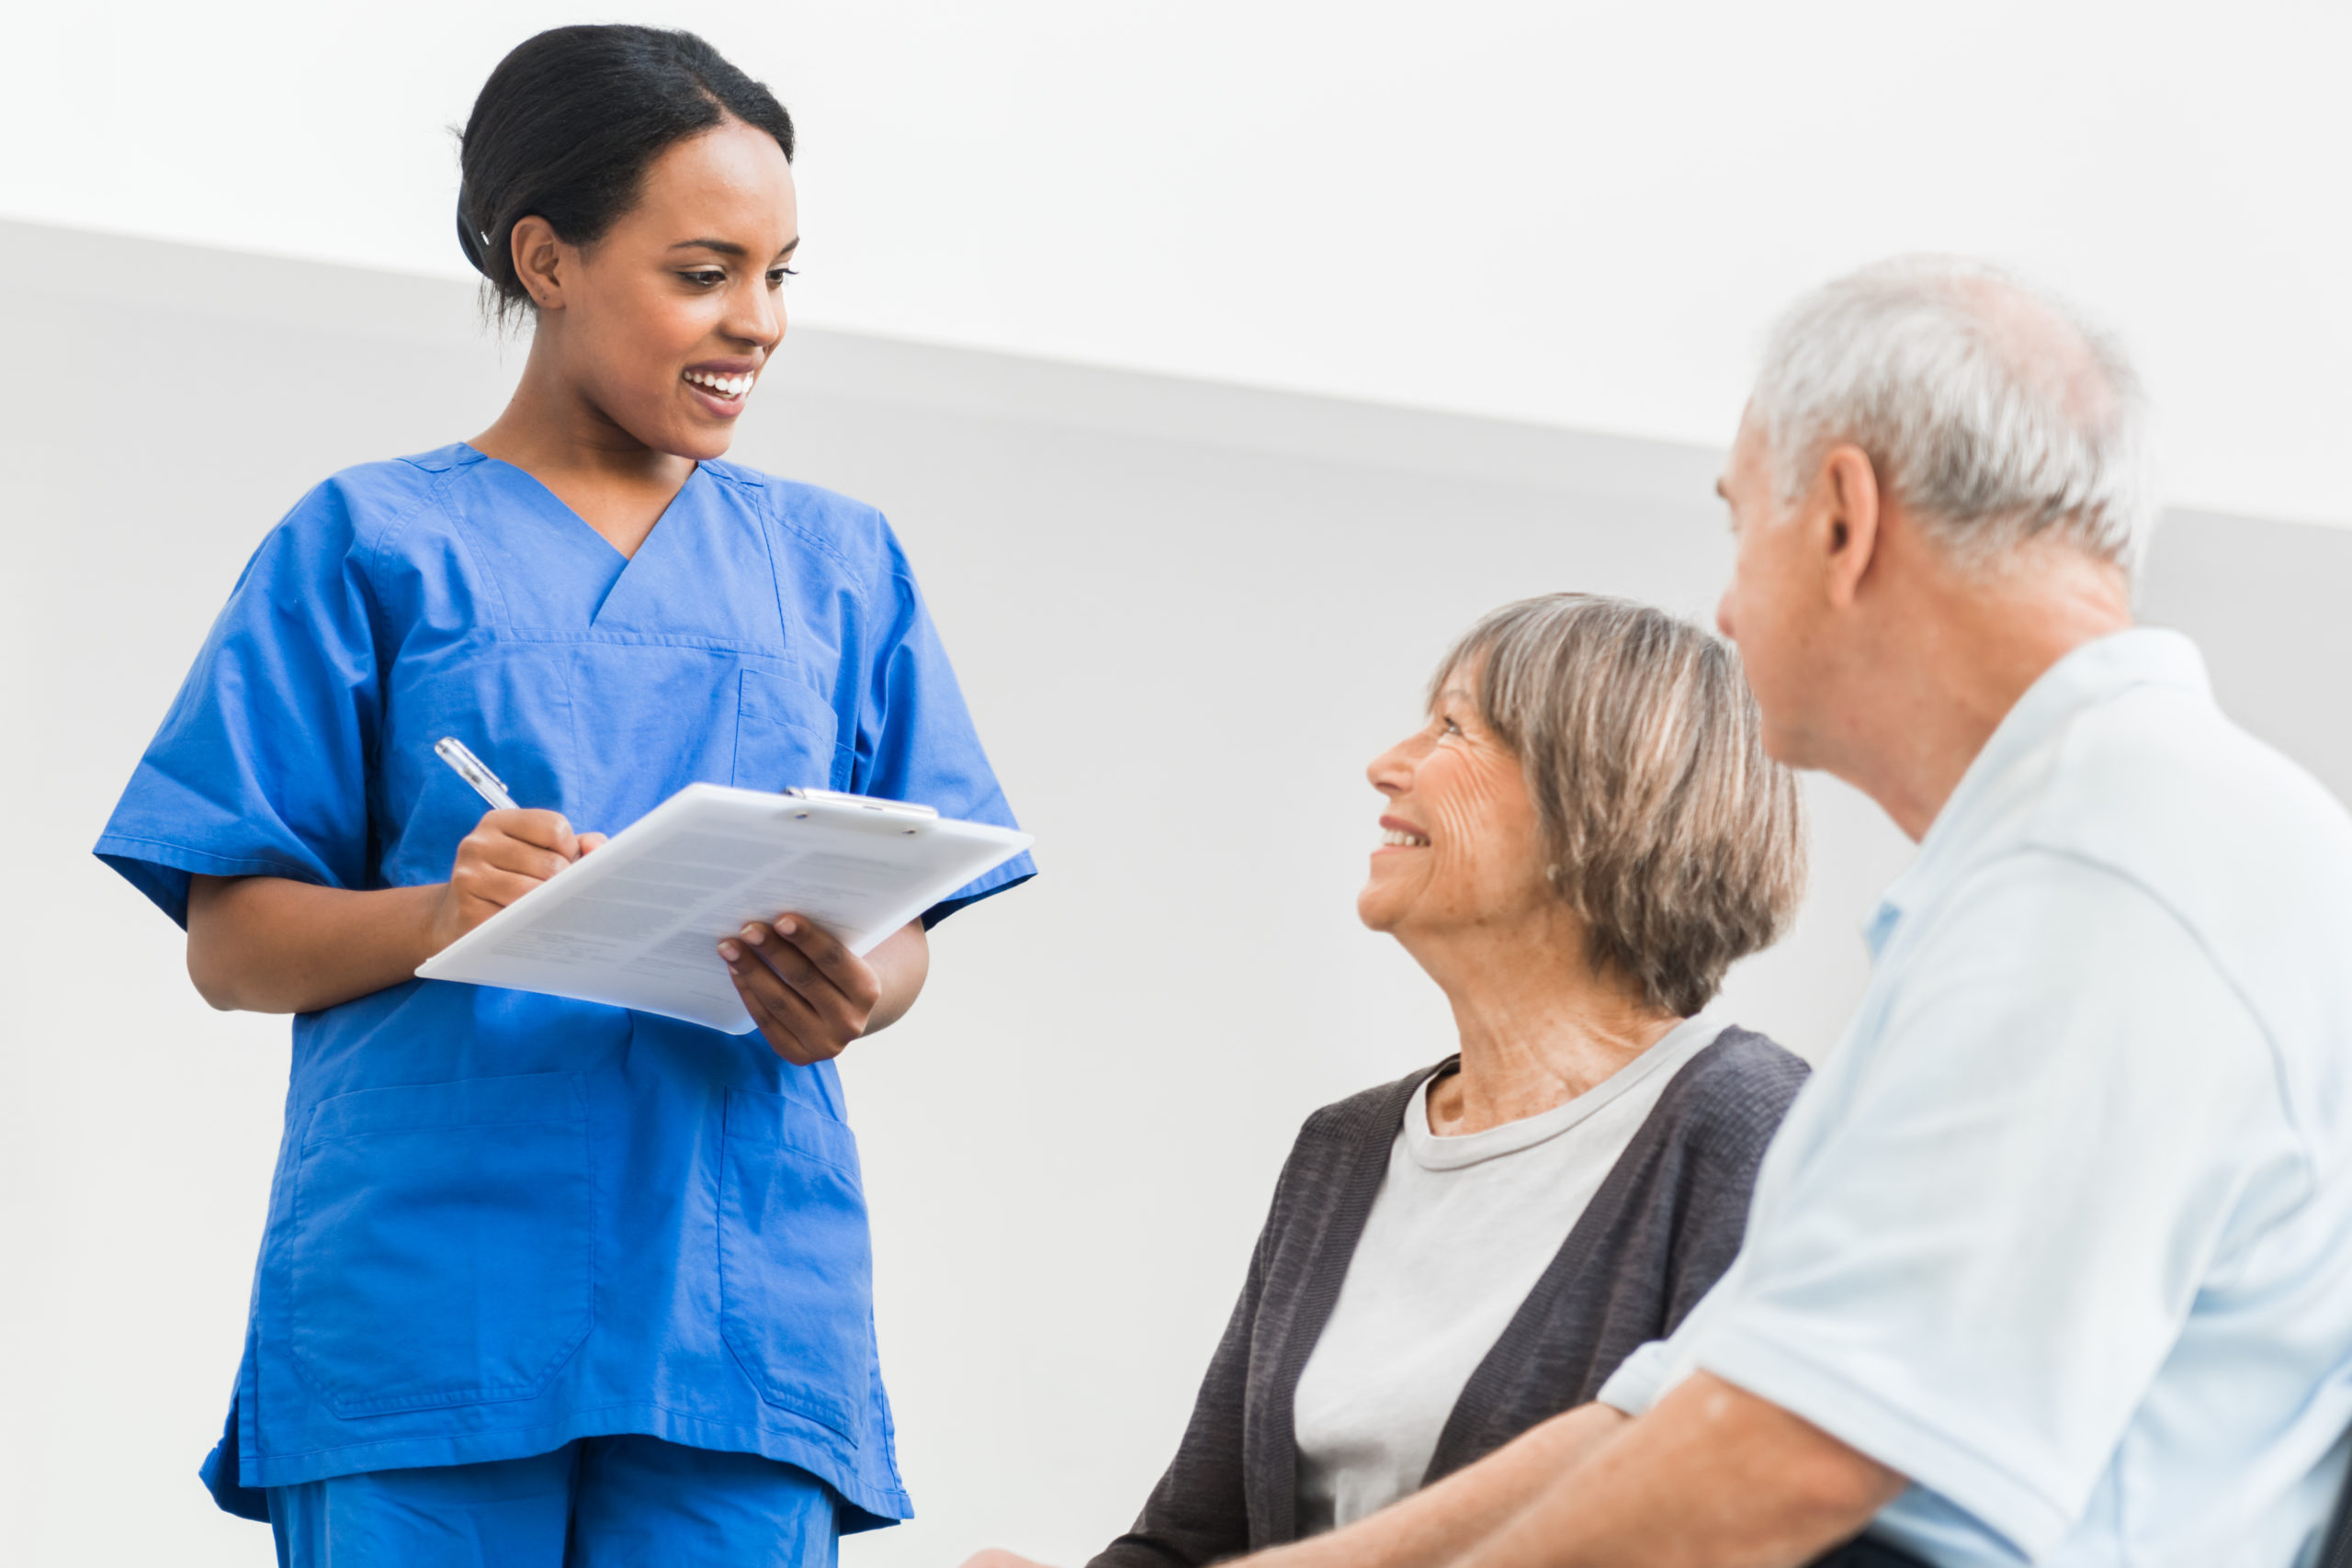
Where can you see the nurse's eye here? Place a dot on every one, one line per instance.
(776, 275)
(704, 277)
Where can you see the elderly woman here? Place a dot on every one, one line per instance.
(1580, 841)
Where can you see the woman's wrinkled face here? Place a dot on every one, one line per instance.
(1461, 844)
(670, 318)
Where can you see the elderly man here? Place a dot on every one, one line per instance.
(2052, 1262)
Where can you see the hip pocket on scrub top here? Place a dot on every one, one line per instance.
(444, 1243)
(784, 736)
(795, 1262)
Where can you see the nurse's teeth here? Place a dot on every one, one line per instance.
(725, 386)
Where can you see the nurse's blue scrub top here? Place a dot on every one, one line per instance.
(503, 1221)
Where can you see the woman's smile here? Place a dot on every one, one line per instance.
(722, 387)
(1396, 833)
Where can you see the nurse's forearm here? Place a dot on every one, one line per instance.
(270, 944)
(902, 961)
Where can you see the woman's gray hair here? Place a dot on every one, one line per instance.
(1993, 410)
(1676, 839)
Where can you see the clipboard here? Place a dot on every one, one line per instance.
(636, 923)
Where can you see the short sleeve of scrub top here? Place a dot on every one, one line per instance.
(261, 766)
(502, 1221)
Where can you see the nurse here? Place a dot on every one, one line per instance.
(545, 1281)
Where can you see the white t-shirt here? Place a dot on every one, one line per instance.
(1458, 1234)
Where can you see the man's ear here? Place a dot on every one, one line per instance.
(538, 261)
(1848, 488)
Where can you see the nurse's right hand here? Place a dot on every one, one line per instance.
(506, 856)
(273, 945)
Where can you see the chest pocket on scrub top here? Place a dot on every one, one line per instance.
(444, 1243)
(784, 736)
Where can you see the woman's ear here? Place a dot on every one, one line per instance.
(540, 261)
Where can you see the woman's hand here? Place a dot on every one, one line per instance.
(506, 856)
(810, 996)
(997, 1557)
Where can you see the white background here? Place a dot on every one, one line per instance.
(1180, 648)
(1576, 214)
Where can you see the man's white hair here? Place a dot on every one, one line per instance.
(1992, 411)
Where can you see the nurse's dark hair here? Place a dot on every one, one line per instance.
(568, 124)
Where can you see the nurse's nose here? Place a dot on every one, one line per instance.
(758, 317)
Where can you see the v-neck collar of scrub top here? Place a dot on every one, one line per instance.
(704, 575)
(583, 569)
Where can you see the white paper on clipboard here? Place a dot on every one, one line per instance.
(637, 922)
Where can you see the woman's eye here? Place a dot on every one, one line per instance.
(707, 278)
(776, 275)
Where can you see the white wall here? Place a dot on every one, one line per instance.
(1577, 214)
(1185, 614)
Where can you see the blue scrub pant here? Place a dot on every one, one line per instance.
(625, 1502)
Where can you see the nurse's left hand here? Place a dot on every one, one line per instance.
(810, 996)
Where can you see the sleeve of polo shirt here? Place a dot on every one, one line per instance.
(1975, 1278)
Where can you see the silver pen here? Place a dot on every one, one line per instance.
(469, 767)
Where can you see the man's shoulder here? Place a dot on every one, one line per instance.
(2166, 851)
(2157, 785)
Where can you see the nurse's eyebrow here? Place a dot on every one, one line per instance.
(729, 248)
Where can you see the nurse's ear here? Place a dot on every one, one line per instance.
(539, 260)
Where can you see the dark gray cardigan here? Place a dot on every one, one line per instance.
(1663, 1226)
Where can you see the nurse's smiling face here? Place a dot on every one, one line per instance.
(658, 331)
(1461, 844)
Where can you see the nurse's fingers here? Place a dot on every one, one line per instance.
(849, 973)
(793, 1028)
(491, 885)
(542, 829)
(846, 1003)
(844, 1009)
(533, 844)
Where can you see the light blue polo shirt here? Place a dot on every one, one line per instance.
(2062, 1231)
